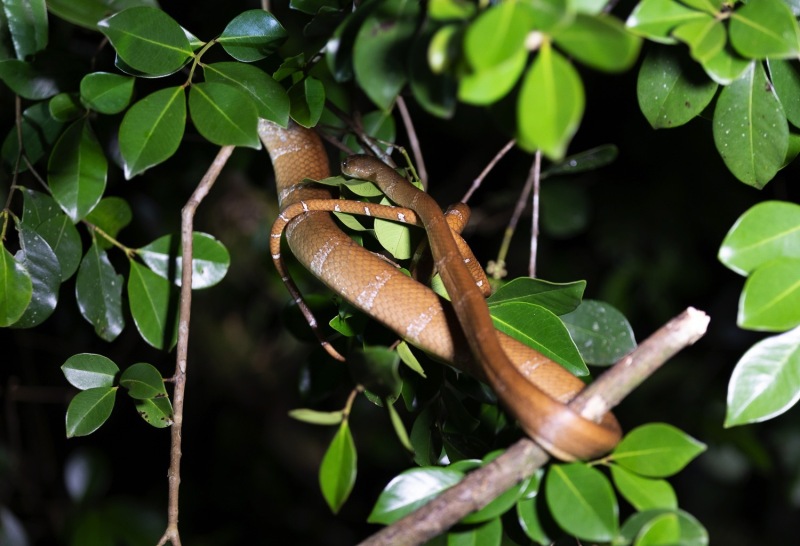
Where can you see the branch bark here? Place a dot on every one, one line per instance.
(523, 458)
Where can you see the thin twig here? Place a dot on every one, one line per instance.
(171, 534)
(413, 142)
(523, 458)
(535, 177)
(479, 180)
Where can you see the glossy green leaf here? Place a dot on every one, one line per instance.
(376, 368)
(98, 290)
(106, 93)
(156, 412)
(89, 409)
(87, 13)
(224, 114)
(252, 35)
(76, 171)
(153, 304)
(491, 84)
(337, 472)
(582, 501)
(705, 37)
(447, 10)
(559, 298)
(500, 505)
(39, 132)
(27, 81)
(42, 213)
(497, 35)
(529, 521)
(399, 427)
(643, 493)
(306, 101)
(785, 77)
(709, 6)
(764, 382)
(27, 24)
(726, 66)
(550, 105)
(65, 107)
(339, 49)
(767, 231)
(655, 19)
(88, 371)
(394, 237)
(143, 381)
(269, 96)
(384, 32)
(315, 417)
(152, 130)
(411, 489)
(42, 266)
(433, 87)
(766, 28)
(750, 129)
(408, 358)
(603, 334)
(16, 288)
(210, 259)
(485, 534)
(110, 215)
(580, 162)
(540, 329)
(599, 41)
(423, 438)
(670, 90)
(770, 299)
(656, 450)
(147, 40)
(638, 527)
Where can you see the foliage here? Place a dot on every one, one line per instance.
(525, 62)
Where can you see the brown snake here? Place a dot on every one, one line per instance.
(532, 387)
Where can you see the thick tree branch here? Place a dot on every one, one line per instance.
(523, 458)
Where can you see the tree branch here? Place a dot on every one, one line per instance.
(523, 458)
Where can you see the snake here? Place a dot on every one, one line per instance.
(533, 388)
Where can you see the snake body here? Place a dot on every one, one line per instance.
(532, 387)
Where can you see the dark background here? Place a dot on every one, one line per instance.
(654, 220)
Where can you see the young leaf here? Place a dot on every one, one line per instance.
(643, 493)
(498, 34)
(153, 305)
(268, 95)
(655, 19)
(315, 417)
(764, 382)
(65, 107)
(770, 299)
(16, 288)
(750, 129)
(89, 409)
(656, 450)
(155, 411)
(27, 24)
(152, 129)
(705, 37)
(689, 531)
(489, 85)
(224, 114)
(210, 259)
(76, 172)
(602, 334)
(599, 41)
(106, 93)
(252, 35)
(42, 265)
(410, 490)
(148, 40)
(337, 473)
(559, 298)
(767, 28)
(88, 371)
(726, 66)
(143, 381)
(98, 290)
(582, 501)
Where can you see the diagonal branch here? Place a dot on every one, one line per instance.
(523, 458)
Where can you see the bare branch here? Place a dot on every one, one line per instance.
(479, 180)
(413, 141)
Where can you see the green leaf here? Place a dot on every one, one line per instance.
(106, 93)
(671, 91)
(529, 521)
(65, 107)
(447, 10)
(269, 96)
(770, 299)
(559, 298)
(422, 437)
(580, 162)
(384, 32)
(76, 171)
(88, 371)
(87, 13)
(540, 329)
(111, 215)
(643, 493)
(42, 266)
(252, 35)
(408, 358)
(306, 101)
(42, 214)
(433, 87)
(705, 37)
(147, 40)
(27, 81)
(764, 382)
(224, 114)
(27, 24)
(750, 128)
(143, 381)
(337, 472)
(155, 411)
(339, 49)
(491, 84)
(603, 334)
(655, 19)
(153, 304)
(399, 427)
(411, 489)
(394, 237)
(726, 66)
(767, 231)
(210, 259)
(786, 80)
(98, 290)
(582, 501)
(550, 104)
(376, 368)
(689, 531)
(152, 130)
(315, 417)
(497, 35)
(39, 132)
(766, 28)
(16, 288)
(89, 409)
(656, 450)
(599, 41)
(500, 505)
(485, 534)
